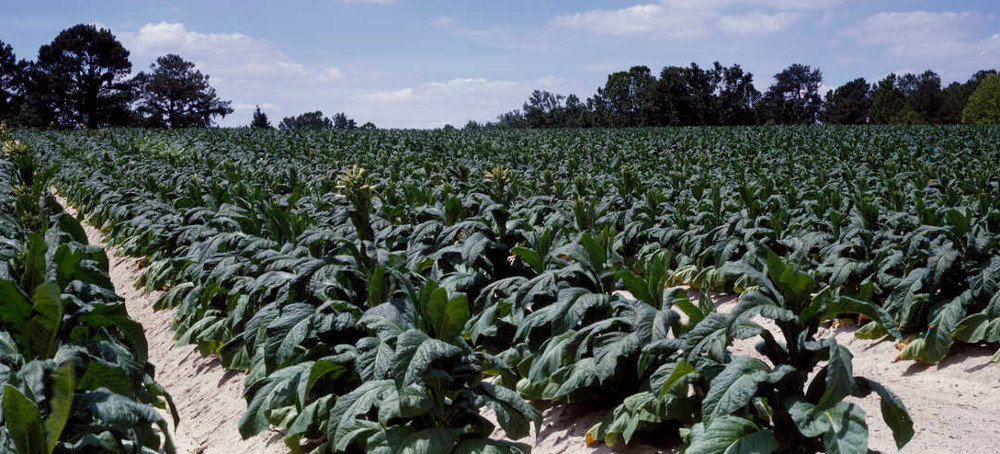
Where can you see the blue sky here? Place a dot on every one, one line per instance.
(410, 63)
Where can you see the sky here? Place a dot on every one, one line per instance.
(427, 63)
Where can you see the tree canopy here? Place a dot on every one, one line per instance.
(12, 81)
(260, 119)
(81, 78)
(794, 98)
(316, 120)
(308, 120)
(176, 95)
(341, 121)
(849, 104)
(720, 95)
(984, 104)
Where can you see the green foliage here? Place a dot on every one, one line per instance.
(80, 78)
(794, 97)
(260, 119)
(984, 104)
(316, 120)
(73, 365)
(752, 406)
(543, 264)
(176, 95)
(849, 104)
(13, 75)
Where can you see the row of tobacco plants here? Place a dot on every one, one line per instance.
(74, 376)
(383, 288)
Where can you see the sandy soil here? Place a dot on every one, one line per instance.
(208, 397)
(955, 405)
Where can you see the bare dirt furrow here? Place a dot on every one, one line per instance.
(209, 398)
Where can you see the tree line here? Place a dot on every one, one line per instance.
(720, 96)
(310, 120)
(82, 79)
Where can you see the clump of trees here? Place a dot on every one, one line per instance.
(849, 104)
(984, 103)
(316, 120)
(794, 98)
(81, 79)
(175, 95)
(719, 95)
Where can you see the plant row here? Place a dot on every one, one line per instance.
(74, 371)
(383, 288)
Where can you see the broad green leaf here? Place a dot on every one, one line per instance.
(415, 351)
(277, 389)
(710, 336)
(287, 332)
(841, 426)
(934, 346)
(893, 411)
(375, 358)
(115, 409)
(733, 388)
(683, 301)
(24, 424)
(430, 441)
(844, 305)
(448, 316)
(870, 331)
(978, 328)
(667, 376)
(481, 446)
(530, 257)
(513, 413)
(63, 384)
(731, 435)
(15, 308)
(43, 326)
(345, 424)
(313, 417)
(636, 285)
(839, 376)
(384, 440)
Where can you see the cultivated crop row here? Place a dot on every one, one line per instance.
(383, 288)
(74, 371)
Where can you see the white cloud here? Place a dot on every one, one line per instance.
(333, 73)
(756, 22)
(658, 19)
(223, 55)
(265, 106)
(444, 21)
(388, 96)
(924, 34)
(502, 38)
(244, 69)
(690, 19)
(456, 101)
(953, 44)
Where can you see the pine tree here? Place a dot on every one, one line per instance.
(260, 120)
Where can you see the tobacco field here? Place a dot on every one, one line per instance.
(383, 289)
